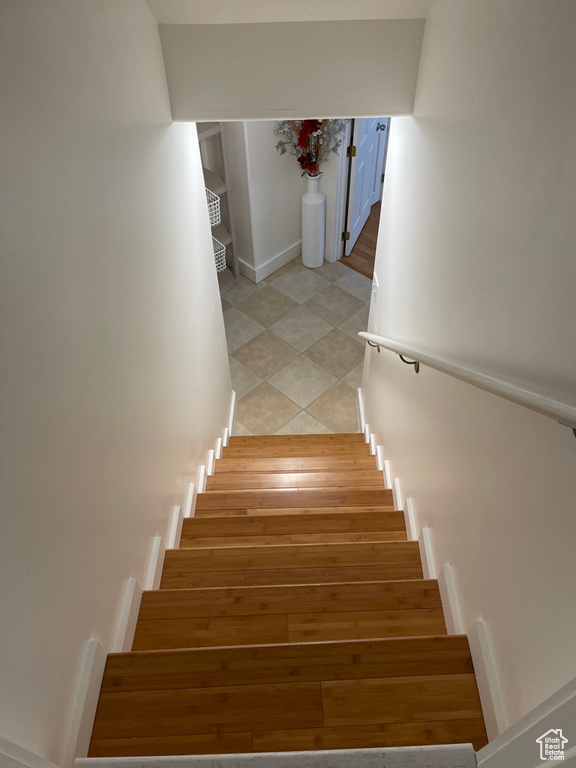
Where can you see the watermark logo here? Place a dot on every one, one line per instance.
(552, 745)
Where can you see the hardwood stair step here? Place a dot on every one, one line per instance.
(280, 498)
(294, 451)
(195, 528)
(393, 559)
(296, 464)
(292, 511)
(356, 478)
(194, 618)
(305, 662)
(338, 437)
(293, 538)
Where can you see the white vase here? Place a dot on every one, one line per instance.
(313, 224)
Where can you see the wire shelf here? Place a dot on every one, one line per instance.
(213, 207)
(219, 255)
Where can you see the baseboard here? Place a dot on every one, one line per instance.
(388, 474)
(200, 479)
(361, 411)
(450, 602)
(218, 448)
(189, 500)
(155, 564)
(85, 702)
(397, 494)
(126, 625)
(231, 415)
(210, 459)
(411, 519)
(257, 274)
(174, 528)
(516, 746)
(14, 756)
(225, 437)
(487, 679)
(427, 553)
(372, 444)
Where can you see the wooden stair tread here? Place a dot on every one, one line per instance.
(355, 478)
(292, 511)
(296, 464)
(293, 538)
(288, 614)
(306, 662)
(273, 498)
(286, 706)
(348, 522)
(399, 559)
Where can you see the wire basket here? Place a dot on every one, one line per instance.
(219, 255)
(213, 207)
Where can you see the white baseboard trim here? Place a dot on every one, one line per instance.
(361, 411)
(411, 519)
(380, 458)
(225, 437)
(372, 444)
(367, 433)
(210, 459)
(487, 679)
(200, 480)
(14, 756)
(218, 448)
(397, 494)
(155, 564)
(388, 474)
(126, 625)
(174, 528)
(427, 554)
(85, 702)
(516, 746)
(257, 274)
(450, 602)
(188, 500)
(231, 415)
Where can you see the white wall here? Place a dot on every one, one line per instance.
(476, 261)
(115, 376)
(292, 69)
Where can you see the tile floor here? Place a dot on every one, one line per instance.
(295, 357)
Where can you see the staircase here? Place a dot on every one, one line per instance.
(293, 617)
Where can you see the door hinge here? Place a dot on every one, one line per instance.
(346, 235)
(351, 151)
(382, 179)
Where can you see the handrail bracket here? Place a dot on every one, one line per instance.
(415, 363)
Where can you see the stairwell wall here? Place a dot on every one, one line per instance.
(476, 263)
(115, 375)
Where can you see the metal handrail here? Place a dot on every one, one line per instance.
(522, 393)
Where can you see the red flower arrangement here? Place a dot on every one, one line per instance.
(310, 141)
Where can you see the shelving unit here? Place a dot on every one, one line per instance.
(213, 150)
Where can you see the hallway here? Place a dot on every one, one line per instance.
(295, 357)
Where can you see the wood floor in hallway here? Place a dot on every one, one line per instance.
(364, 252)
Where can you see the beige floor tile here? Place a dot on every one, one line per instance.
(244, 289)
(240, 328)
(267, 306)
(225, 304)
(301, 328)
(358, 322)
(266, 354)
(337, 353)
(286, 268)
(302, 381)
(300, 284)
(332, 271)
(336, 409)
(265, 410)
(303, 424)
(354, 378)
(241, 431)
(334, 305)
(243, 379)
(356, 284)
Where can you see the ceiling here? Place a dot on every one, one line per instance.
(258, 11)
